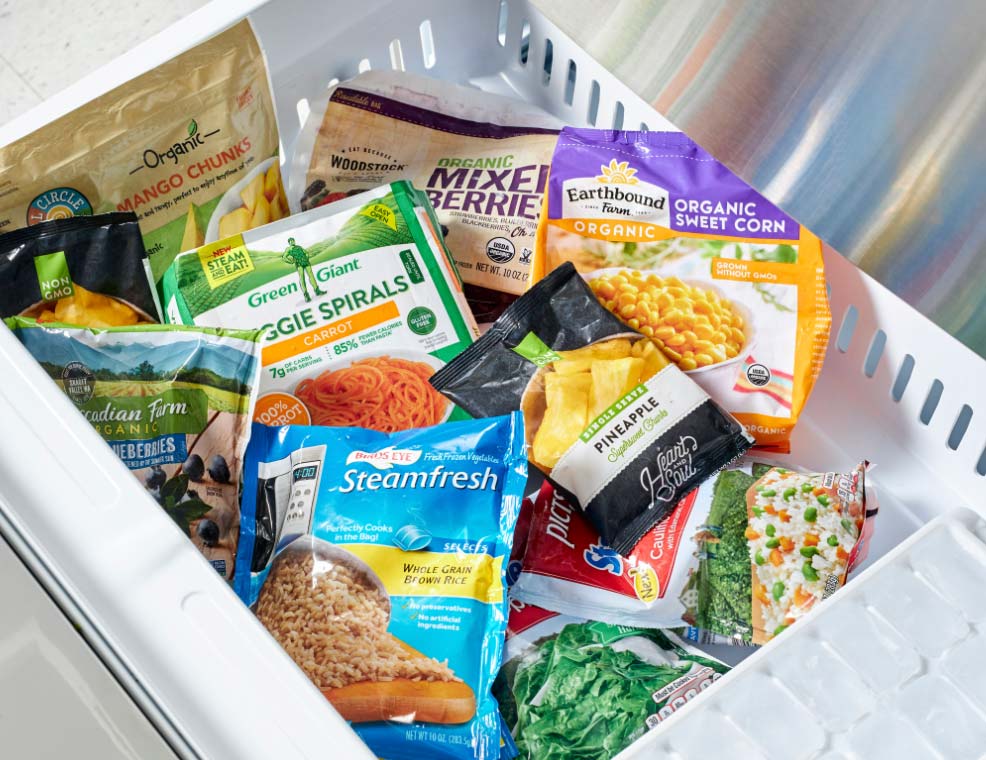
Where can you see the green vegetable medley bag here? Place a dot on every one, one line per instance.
(570, 689)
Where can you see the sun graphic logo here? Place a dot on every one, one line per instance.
(617, 173)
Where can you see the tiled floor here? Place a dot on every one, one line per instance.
(46, 45)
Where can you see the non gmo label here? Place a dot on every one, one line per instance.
(54, 280)
(78, 381)
(225, 261)
(536, 350)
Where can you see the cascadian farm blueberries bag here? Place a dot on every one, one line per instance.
(623, 433)
(679, 248)
(174, 403)
(377, 561)
(190, 147)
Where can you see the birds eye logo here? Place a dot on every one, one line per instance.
(617, 173)
(58, 203)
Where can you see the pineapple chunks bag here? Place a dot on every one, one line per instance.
(184, 146)
(618, 429)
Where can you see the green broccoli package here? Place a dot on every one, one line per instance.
(571, 689)
(174, 403)
(359, 302)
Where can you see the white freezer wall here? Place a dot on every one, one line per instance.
(57, 696)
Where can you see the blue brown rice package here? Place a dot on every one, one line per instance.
(378, 562)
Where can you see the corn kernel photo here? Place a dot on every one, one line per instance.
(694, 324)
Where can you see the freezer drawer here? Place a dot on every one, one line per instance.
(895, 389)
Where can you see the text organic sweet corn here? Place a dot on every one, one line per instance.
(190, 147)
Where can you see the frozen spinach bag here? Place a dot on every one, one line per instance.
(571, 689)
(622, 432)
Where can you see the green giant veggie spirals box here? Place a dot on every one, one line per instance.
(359, 302)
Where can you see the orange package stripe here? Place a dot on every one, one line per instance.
(328, 333)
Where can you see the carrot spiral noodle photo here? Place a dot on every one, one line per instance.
(380, 393)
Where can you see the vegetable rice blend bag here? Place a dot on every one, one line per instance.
(191, 147)
(174, 403)
(377, 561)
(621, 431)
(572, 689)
(359, 304)
(776, 542)
(678, 247)
(481, 158)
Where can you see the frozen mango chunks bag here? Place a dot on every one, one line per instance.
(184, 146)
(680, 248)
(624, 434)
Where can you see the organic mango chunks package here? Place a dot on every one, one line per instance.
(191, 147)
(481, 158)
(174, 404)
(678, 247)
(359, 304)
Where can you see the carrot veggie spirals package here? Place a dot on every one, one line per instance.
(619, 429)
(678, 247)
(360, 304)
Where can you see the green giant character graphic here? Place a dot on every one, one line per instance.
(298, 256)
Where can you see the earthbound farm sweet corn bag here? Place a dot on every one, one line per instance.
(681, 249)
(190, 147)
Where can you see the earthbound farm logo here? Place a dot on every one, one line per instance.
(58, 203)
(615, 193)
(386, 458)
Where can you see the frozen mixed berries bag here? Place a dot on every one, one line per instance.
(621, 431)
(678, 247)
(481, 158)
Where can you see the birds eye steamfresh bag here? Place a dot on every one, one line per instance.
(678, 247)
(378, 562)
